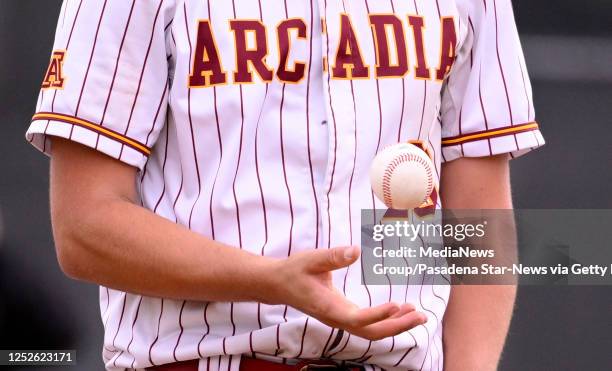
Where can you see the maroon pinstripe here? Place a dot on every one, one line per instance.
(435, 160)
(422, 306)
(416, 9)
(238, 162)
(144, 66)
(482, 107)
(335, 148)
(234, 191)
(501, 70)
(380, 129)
(161, 311)
(120, 318)
(527, 99)
(401, 123)
(41, 98)
(348, 338)
(177, 195)
(212, 192)
(471, 25)
(180, 168)
(434, 284)
(163, 168)
(407, 350)
(380, 125)
(178, 340)
(166, 27)
(473, 32)
(438, 320)
(207, 329)
(443, 157)
(73, 24)
(327, 343)
(427, 353)
(110, 90)
(303, 337)
(314, 192)
(419, 137)
(161, 101)
(93, 50)
(261, 195)
(525, 89)
(423, 110)
(132, 336)
(193, 145)
(351, 185)
(76, 17)
(38, 105)
(331, 181)
(282, 146)
(106, 309)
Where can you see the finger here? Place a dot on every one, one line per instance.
(367, 316)
(404, 309)
(347, 315)
(326, 260)
(392, 326)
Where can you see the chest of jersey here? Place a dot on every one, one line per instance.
(273, 99)
(250, 42)
(372, 67)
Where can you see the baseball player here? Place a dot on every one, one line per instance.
(210, 162)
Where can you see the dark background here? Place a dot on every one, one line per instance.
(568, 46)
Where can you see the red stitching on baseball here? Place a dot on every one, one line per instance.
(386, 184)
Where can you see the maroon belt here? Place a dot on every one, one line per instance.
(252, 364)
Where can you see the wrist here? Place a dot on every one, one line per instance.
(267, 276)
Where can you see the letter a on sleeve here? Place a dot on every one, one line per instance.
(106, 85)
(487, 106)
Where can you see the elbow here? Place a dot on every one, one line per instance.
(69, 257)
(71, 252)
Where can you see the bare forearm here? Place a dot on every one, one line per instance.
(127, 247)
(478, 317)
(475, 326)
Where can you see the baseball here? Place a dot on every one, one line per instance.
(402, 176)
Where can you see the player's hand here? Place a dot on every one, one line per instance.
(304, 281)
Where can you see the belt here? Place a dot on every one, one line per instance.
(252, 364)
(191, 365)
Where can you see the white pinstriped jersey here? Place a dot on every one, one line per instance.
(254, 123)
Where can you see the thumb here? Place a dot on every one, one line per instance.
(335, 258)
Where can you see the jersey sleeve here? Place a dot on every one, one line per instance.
(106, 86)
(487, 106)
